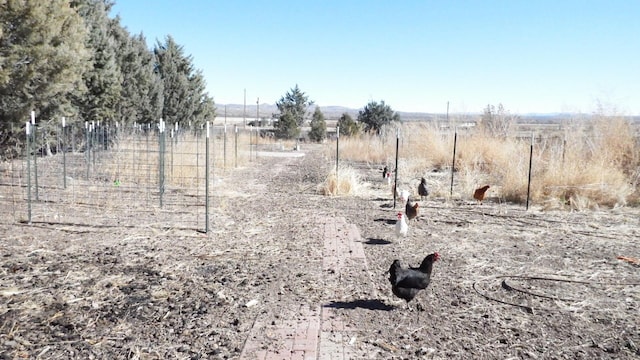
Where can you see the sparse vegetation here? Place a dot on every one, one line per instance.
(497, 122)
(591, 162)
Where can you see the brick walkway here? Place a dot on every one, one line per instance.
(316, 332)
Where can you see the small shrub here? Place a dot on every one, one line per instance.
(347, 183)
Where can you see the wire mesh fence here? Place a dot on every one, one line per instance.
(109, 175)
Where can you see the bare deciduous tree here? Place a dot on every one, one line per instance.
(497, 123)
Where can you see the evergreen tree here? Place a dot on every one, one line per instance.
(292, 107)
(318, 130)
(348, 127)
(204, 105)
(42, 59)
(184, 95)
(287, 128)
(375, 115)
(104, 78)
(141, 94)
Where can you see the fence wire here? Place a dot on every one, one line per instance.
(127, 177)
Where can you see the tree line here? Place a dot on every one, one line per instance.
(69, 58)
(294, 105)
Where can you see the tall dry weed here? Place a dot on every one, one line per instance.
(347, 182)
(589, 162)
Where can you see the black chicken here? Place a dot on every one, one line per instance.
(406, 283)
(384, 172)
(423, 191)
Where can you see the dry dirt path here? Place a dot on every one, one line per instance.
(308, 327)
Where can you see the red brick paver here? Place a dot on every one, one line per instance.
(290, 339)
(317, 333)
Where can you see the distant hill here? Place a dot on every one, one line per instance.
(330, 112)
(334, 113)
(267, 110)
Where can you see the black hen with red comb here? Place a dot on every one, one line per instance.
(407, 282)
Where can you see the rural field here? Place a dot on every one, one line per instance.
(288, 273)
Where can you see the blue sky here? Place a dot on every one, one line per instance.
(531, 56)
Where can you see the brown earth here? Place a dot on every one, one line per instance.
(510, 283)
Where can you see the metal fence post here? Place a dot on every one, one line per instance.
(224, 149)
(206, 185)
(453, 162)
(64, 154)
(87, 147)
(34, 139)
(250, 144)
(236, 144)
(395, 183)
(161, 151)
(28, 140)
(337, 158)
(148, 165)
(530, 163)
(94, 140)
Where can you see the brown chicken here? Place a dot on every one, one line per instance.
(479, 193)
(411, 210)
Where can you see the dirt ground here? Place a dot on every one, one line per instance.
(510, 283)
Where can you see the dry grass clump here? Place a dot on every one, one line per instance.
(596, 161)
(595, 165)
(348, 182)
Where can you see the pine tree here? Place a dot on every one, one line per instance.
(287, 128)
(141, 94)
(185, 98)
(318, 130)
(292, 107)
(104, 78)
(348, 127)
(375, 115)
(42, 59)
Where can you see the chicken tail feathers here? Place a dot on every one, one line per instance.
(393, 271)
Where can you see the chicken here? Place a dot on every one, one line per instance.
(401, 195)
(411, 210)
(423, 191)
(407, 282)
(402, 228)
(479, 193)
(404, 195)
(385, 171)
(388, 177)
